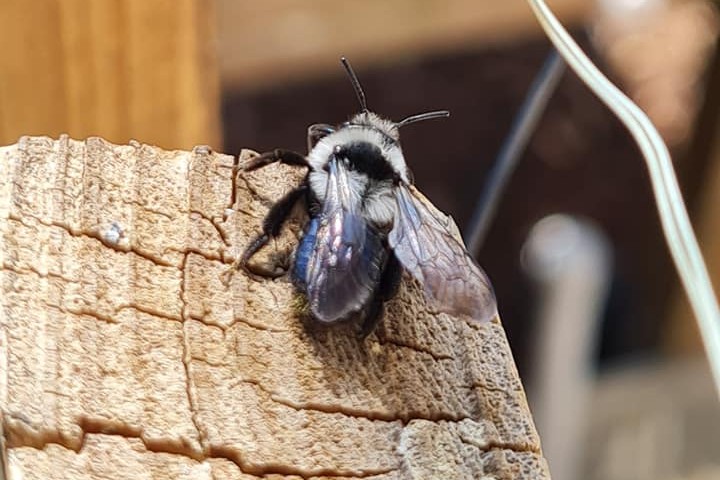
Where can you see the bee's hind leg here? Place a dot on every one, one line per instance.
(387, 289)
(372, 317)
(272, 225)
(390, 281)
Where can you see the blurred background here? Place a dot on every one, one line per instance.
(604, 339)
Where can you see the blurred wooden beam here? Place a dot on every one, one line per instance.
(118, 68)
(654, 421)
(263, 43)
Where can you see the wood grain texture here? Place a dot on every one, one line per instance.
(128, 347)
(122, 69)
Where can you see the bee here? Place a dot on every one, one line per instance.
(367, 223)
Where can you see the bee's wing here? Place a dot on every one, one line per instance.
(423, 241)
(345, 264)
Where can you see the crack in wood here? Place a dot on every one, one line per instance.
(88, 312)
(493, 388)
(186, 360)
(94, 236)
(495, 445)
(39, 439)
(438, 357)
(233, 179)
(256, 326)
(148, 311)
(148, 209)
(217, 225)
(83, 310)
(208, 362)
(30, 270)
(236, 321)
(260, 470)
(22, 434)
(365, 414)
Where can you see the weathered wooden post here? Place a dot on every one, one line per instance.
(129, 348)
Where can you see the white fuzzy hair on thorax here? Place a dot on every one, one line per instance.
(375, 196)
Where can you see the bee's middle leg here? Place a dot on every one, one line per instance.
(272, 225)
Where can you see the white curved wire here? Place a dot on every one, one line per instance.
(673, 215)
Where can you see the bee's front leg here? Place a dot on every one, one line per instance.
(286, 157)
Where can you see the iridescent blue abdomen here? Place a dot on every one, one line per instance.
(303, 253)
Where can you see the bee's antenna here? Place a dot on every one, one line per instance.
(422, 116)
(355, 83)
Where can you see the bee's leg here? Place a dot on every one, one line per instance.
(373, 316)
(390, 281)
(278, 155)
(272, 224)
(387, 289)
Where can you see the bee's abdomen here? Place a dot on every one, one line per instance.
(303, 253)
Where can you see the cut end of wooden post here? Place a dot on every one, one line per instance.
(128, 346)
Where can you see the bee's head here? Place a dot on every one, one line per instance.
(368, 119)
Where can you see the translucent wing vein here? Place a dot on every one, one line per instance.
(423, 243)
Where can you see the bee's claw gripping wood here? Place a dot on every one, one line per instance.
(129, 348)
